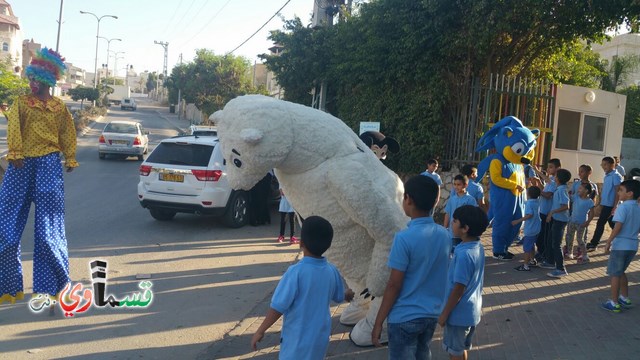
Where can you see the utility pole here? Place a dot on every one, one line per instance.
(59, 26)
(323, 11)
(165, 45)
(180, 95)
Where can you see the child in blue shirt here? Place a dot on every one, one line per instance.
(474, 189)
(303, 296)
(532, 225)
(432, 166)
(584, 177)
(581, 216)
(623, 244)
(559, 213)
(464, 282)
(543, 243)
(457, 199)
(418, 260)
(608, 200)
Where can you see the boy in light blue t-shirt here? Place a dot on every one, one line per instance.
(418, 260)
(432, 166)
(543, 243)
(464, 282)
(623, 245)
(473, 188)
(303, 296)
(457, 199)
(532, 225)
(559, 213)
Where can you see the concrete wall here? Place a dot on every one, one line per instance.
(605, 104)
(630, 154)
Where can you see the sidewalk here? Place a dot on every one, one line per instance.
(525, 316)
(181, 125)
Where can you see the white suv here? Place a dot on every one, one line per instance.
(187, 174)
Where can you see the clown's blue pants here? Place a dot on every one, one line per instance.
(39, 181)
(505, 207)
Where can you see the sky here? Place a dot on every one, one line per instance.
(187, 25)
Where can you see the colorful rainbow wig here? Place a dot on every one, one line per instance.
(47, 66)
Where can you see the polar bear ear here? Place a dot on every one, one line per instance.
(216, 117)
(251, 136)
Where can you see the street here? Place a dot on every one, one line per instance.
(205, 276)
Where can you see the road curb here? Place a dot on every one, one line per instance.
(171, 122)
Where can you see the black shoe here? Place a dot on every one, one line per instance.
(522, 268)
(591, 247)
(503, 256)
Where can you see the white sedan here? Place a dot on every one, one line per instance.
(126, 138)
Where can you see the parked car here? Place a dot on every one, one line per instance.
(186, 174)
(203, 130)
(128, 103)
(126, 138)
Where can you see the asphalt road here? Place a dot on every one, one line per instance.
(205, 276)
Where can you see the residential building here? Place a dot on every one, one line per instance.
(29, 47)
(10, 35)
(620, 45)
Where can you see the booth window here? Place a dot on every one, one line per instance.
(578, 131)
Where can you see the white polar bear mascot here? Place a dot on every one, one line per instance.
(325, 170)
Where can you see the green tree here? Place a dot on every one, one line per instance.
(632, 114)
(618, 71)
(82, 93)
(152, 81)
(11, 86)
(113, 81)
(211, 80)
(406, 63)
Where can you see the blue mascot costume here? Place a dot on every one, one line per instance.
(514, 144)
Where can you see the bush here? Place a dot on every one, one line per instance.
(632, 115)
(82, 118)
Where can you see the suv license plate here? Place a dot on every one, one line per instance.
(172, 177)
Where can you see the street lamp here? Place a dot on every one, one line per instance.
(98, 18)
(108, 45)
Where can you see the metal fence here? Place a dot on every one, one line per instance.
(479, 104)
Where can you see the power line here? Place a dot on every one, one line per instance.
(207, 24)
(183, 15)
(173, 16)
(261, 27)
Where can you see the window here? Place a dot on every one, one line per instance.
(578, 131)
(5, 46)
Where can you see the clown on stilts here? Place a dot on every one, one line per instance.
(40, 129)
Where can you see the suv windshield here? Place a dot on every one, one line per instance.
(181, 154)
(121, 128)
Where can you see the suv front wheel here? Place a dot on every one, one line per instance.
(162, 215)
(237, 214)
